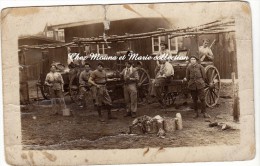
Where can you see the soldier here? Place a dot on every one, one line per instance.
(131, 77)
(99, 79)
(84, 85)
(55, 82)
(164, 73)
(205, 52)
(195, 75)
(164, 49)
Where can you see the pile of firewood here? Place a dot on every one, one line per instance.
(159, 125)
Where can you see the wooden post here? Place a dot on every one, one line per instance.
(235, 99)
(24, 88)
(233, 84)
(179, 121)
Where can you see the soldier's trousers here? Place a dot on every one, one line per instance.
(198, 94)
(102, 96)
(87, 92)
(158, 88)
(56, 96)
(130, 95)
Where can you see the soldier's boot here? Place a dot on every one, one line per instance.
(196, 114)
(134, 115)
(109, 115)
(203, 109)
(205, 115)
(162, 105)
(80, 103)
(94, 102)
(128, 114)
(100, 117)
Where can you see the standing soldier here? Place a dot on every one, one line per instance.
(55, 82)
(98, 78)
(84, 85)
(195, 75)
(131, 77)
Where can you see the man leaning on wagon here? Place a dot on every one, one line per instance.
(98, 78)
(55, 83)
(130, 76)
(195, 75)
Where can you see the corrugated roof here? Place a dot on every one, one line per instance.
(40, 37)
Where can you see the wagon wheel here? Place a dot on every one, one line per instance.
(43, 88)
(45, 91)
(74, 89)
(169, 99)
(143, 84)
(74, 93)
(212, 89)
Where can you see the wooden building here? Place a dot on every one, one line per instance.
(224, 47)
(30, 59)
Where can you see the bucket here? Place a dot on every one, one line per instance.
(66, 112)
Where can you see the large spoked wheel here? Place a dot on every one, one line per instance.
(212, 89)
(43, 88)
(74, 93)
(143, 84)
(45, 92)
(169, 99)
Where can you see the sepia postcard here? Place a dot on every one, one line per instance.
(128, 83)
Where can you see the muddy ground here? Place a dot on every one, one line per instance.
(42, 130)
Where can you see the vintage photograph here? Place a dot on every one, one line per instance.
(130, 76)
(75, 94)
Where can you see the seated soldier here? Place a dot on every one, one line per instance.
(165, 72)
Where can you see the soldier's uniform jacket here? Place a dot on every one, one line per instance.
(196, 76)
(99, 77)
(83, 78)
(130, 73)
(55, 79)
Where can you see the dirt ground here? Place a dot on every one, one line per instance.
(42, 130)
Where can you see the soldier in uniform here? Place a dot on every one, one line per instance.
(164, 74)
(131, 77)
(98, 78)
(85, 86)
(55, 83)
(195, 75)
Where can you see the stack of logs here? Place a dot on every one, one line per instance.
(156, 125)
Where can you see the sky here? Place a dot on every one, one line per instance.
(32, 20)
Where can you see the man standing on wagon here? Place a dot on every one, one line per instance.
(195, 75)
(98, 78)
(205, 52)
(131, 77)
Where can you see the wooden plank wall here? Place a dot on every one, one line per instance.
(224, 52)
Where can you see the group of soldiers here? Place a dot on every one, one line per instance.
(95, 82)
